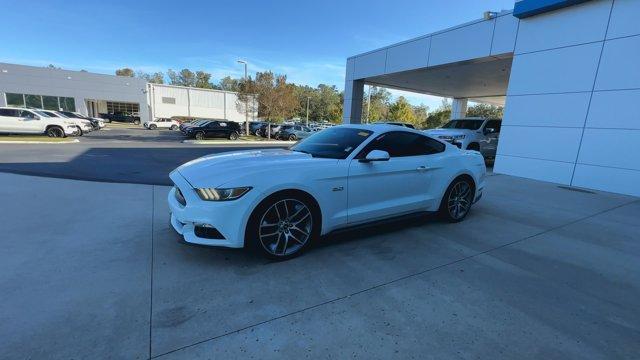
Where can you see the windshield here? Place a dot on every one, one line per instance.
(467, 124)
(70, 114)
(333, 143)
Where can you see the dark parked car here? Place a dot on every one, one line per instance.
(255, 126)
(121, 117)
(185, 125)
(214, 129)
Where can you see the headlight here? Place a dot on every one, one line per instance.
(211, 194)
(458, 137)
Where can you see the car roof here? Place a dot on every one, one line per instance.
(381, 127)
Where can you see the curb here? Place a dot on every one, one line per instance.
(233, 143)
(73, 141)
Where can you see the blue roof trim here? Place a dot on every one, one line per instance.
(526, 8)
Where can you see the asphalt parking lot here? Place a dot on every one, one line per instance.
(125, 154)
(93, 270)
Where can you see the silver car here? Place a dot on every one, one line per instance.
(471, 134)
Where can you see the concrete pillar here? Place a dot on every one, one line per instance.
(353, 94)
(459, 108)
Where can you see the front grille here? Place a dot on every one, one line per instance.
(445, 137)
(180, 197)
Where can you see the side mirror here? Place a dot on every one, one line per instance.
(376, 155)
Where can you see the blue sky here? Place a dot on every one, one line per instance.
(307, 40)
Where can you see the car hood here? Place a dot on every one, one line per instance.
(448, 132)
(217, 169)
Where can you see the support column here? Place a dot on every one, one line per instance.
(353, 94)
(459, 108)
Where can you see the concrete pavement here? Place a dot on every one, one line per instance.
(93, 270)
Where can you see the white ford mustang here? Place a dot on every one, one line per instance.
(280, 201)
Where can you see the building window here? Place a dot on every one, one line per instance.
(168, 100)
(67, 103)
(33, 101)
(15, 100)
(41, 102)
(50, 103)
(123, 108)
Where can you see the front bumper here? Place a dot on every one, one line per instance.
(227, 217)
(71, 130)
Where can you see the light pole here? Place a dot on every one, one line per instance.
(368, 104)
(308, 99)
(246, 100)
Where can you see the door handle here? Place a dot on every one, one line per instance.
(422, 168)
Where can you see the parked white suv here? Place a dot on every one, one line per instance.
(26, 121)
(162, 123)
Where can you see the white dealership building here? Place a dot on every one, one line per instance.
(567, 72)
(94, 94)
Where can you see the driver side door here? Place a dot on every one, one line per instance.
(381, 189)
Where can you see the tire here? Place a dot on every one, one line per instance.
(283, 226)
(257, 133)
(234, 135)
(174, 127)
(153, 127)
(473, 146)
(199, 135)
(457, 200)
(293, 137)
(136, 122)
(55, 132)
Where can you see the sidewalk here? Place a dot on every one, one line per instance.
(93, 270)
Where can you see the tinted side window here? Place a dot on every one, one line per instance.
(212, 124)
(494, 124)
(400, 144)
(27, 114)
(9, 112)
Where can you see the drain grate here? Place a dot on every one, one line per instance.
(570, 188)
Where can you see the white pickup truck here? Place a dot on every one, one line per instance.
(27, 121)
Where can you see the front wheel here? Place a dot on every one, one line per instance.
(292, 137)
(199, 136)
(233, 136)
(55, 132)
(174, 127)
(457, 200)
(283, 226)
(153, 127)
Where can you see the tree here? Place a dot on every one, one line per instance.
(275, 98)
(155, 78)
(228, 83)
(422, 113)
(378, 109)
(485, 111)
(185, 77)
(203, 80)
(402, 111)
(440, 116)
(125, 72)
(325, 103)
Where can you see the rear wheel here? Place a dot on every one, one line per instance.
(153, 127)
(136, 122)
(200, 135)
(292, 137)
(55, 132)
(457, 200)
(174, 127)
(257, 133)
(233, 135)
(283, 226)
